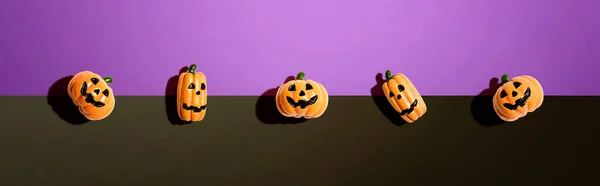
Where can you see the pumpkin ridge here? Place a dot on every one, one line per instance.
(500, 113)
(391, 100)
(503, 111)
(408, 98)
(277, 102)
(418, 96)
(406, 118)
(533, 100)
(323, 98)
(310, 111)
(539, 92)
(281, 103)
(503, 117)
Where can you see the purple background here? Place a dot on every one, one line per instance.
(446, 47)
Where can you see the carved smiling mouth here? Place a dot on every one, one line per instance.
(519, 102)
(411, 109)
(89, 98)
(193, 108)
(301, 103)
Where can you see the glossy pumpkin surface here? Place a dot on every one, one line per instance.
(517, 97)
(302, 98)
(192, 95)
(404, 97)
(92, 94)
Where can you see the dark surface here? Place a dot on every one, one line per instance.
(353, 143)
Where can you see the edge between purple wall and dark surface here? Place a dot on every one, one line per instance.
(265, 110)
(542, 145)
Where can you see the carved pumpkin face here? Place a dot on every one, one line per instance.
(302, 98)
(404, 97)
(515, 98)
(92, 95)
(191, 95)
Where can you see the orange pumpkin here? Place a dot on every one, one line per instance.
(515, 98)
(404, 97)
(91, 93)
(191, 95)
(302, 98)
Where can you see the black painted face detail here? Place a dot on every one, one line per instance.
(410, 109)
(193, 108)
(401, 88)
(519, 102)
(89, 98)
(309, 86)
(517, 84)
(95, 80)
(503, 94)
(301, 103)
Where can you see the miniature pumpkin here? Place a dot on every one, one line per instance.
(191, 95)
(302, 98)
(515, 98)
(404, 97)
(91, 93)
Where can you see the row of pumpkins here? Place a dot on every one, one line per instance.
(301, 98)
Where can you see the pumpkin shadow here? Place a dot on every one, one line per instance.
(266, 108)
(482, 108)
(383, 104)
(171, 100)
(62, 104)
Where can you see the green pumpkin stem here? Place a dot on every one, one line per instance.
(504, 78)
(192, 68)
(300, 76)
(108, 79)
(388, 75)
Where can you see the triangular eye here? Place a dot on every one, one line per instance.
(191, 86)
(309, 87)
(292, 87)
(503, 94)
(391, 94)
(95, 80)
(97, 91)
(202, 86)
(105, 92)
(517, 84)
